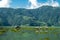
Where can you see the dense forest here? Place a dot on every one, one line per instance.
(43, 16)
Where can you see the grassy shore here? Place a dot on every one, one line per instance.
(37, 33)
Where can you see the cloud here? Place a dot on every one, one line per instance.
(54, 3)
(4, 3)
(35, 4)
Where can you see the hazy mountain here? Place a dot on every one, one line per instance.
(45, 15)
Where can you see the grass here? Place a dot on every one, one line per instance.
(32, 32)
(3, 30)
(41, 30)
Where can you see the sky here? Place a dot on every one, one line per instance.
(28, 4)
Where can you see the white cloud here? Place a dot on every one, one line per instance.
(54, 3)
(4, 3)
(35, 4)
(50, 3)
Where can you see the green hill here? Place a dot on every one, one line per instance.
(45, 15)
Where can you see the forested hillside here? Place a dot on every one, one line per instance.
(43, 16)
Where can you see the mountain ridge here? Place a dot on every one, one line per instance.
(45, 14)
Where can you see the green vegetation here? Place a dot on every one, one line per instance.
(3, 30)
(43, 16)
(30, 33)
(35, 24)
